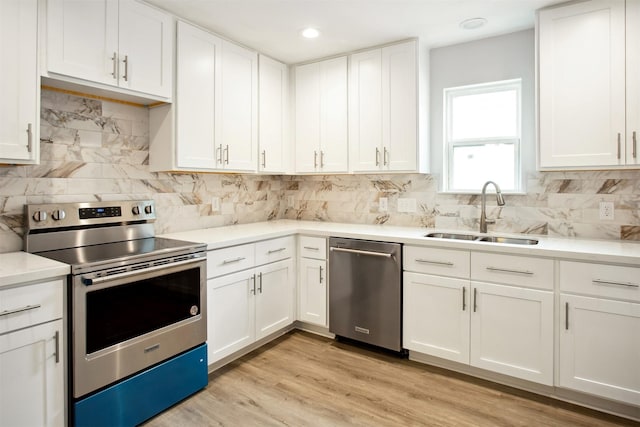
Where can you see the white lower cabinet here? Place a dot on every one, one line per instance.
(312, 280)
(501, 327)
(247, 304)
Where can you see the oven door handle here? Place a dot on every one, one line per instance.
(88, 280)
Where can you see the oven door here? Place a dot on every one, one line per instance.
(126, 322)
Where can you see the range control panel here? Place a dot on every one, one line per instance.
(58, 215)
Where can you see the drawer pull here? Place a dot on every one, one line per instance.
(506, 270)
(231, 261)
(273, 251)
(608, 282)
(428, 261)
(19, 310)
(311, 248)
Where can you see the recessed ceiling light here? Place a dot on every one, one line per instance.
(310, 33)
(473, 23)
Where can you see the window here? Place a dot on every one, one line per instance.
(482, 136)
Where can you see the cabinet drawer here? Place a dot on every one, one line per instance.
(441, 262)
(228, 260)
(512, 270)
(274, 250)
(312, 247)
(28, 305)
(601, 280)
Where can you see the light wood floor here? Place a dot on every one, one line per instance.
(302, 379)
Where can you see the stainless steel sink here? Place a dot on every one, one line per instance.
(490, 239)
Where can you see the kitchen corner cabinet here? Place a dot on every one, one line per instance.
(383, 109)
(32, 356)
(600, 330)
(250, 294)
(212, 124)
(490, 311)
(312, 280)
(273, 110)
(19, 82)
(589, 85)
(321, 124)
(118, 43)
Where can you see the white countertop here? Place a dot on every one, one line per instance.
(610, 251)
(22, 267)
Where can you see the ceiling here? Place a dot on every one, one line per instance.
(273, 26)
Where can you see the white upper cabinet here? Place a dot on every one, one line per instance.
(19, 82)
(383, 109)
(583, 95)
(119, 43)
(321, 116)
(633, 82)
(273, 112)
(237, 108)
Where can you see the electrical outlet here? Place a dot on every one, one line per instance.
(606, 210)
(215, 204)
(407, 205)
(290, 201)
(383, 204)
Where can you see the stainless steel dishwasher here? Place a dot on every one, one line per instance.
(365, 291)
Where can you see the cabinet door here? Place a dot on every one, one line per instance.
(197, 61)
(145, 49)
(582, 84)
(400, 107)
(274, 297)
(237, 108)
(307, 113)
(334, 153)
(82, 39)
(313, 291)
(19, 82)
(32, 376)
(512, 331)
(436, 316)
(365, 111)
(633, 83)
(273, 86)
(230, 314)
(600, 347)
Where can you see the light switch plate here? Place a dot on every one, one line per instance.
(407, 205)
(383, 204)
(215, 204)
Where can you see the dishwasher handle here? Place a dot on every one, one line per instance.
(360, 252)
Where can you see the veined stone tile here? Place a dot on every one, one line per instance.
(630, 232)
(70, 103)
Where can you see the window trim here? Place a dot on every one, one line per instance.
(449, 144)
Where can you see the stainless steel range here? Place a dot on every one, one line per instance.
(136, 308)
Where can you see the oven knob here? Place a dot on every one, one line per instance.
(148, 209)
(40, 216)
(136, 210)
(58, 214)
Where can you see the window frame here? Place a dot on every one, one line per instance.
(450, 144)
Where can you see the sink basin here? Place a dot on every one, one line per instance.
(490, 239)
(508, 240)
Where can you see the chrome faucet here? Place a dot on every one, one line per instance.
(483, 215)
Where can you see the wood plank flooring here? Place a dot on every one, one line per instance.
(302, 379)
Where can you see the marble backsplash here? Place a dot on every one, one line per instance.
(98, 150)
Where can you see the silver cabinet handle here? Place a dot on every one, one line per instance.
(475, 299)
(273, 251)
(260, 285)
(608, 282)
(359, 252)
(264, 158)
(320, 274)
(29, 137)
(321, 159)
(315, 159)
(385, 157)
(311, 248)
(56, 338)
(20, 310)
(253, 288)
(226, 156)
(619, 136)
(506, 270)
(464, 298)
(428, 261)
(114, 60)
(232, 260)
(126, 68)
(566, 316)
(219, 154)
(377, 156)
(635, 143)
